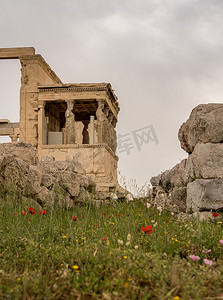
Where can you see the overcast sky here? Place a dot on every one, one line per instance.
(162, 57)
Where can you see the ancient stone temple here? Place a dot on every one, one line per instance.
(66, 121)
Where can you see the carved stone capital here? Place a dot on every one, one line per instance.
(70, 105)
(41, 104)
(101, 103)
(106, 111)
(14, 137)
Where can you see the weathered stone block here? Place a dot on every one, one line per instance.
(178, 197)
(205, 194)
(206, 162)
(9, 53)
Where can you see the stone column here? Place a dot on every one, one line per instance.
(100, 120)
(92, 130)
(85, 132)
(70, 123)
(41, 124)
(112, 133)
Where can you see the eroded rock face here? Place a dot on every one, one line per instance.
(171, 185)
(44, 181)
(170, 178)
(205, 125)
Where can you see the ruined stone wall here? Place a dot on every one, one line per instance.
(98, 161)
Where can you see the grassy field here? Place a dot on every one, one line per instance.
(107, 252)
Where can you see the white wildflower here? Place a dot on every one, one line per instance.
(120, 242)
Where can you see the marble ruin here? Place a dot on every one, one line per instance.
(66, 121)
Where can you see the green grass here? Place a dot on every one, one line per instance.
(53, 257)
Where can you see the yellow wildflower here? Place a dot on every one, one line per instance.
(75, 267)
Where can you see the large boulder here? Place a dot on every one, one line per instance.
(17, 176)
(205, 125)
(205, 194)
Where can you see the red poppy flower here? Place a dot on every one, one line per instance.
(29, 220)
(117, 215)
(83, 217)
(23, 213)
(127, 215)
(74, 218)
(96, 224)
(31, 210)
(109, 217)
(103, 214)
(43, 212)
(148, 232)
(215, 215)
(15, 213)
(148, 229)
(104, 239)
